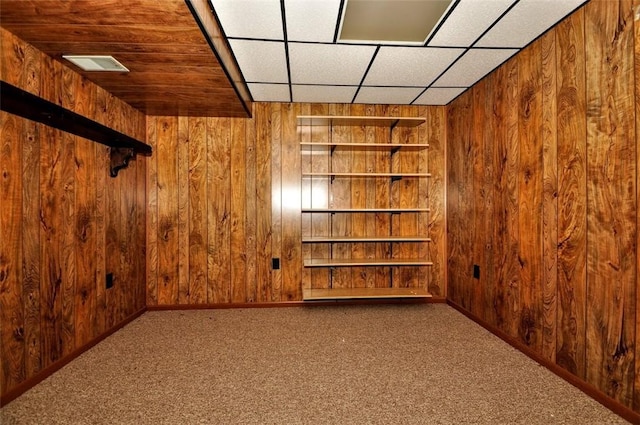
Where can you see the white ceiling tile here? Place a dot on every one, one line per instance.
(474, 65)
(323, 94)
(439, 95)
(328, 64)
(261, 61)
(250, 18)
(409, 66)
(269, 92)
(387, 95)
(526, 21)
(311, 20)
(468, 21)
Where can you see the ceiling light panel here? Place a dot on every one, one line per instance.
(409, 66)
(388, 95)
(269, 92)
(474, 65)
(526, 21)
(475, 16)
(390, 22)
(311, 20)
(250, 18)
(328, 64)
(261, 61)
(439, 95)
(323, 94)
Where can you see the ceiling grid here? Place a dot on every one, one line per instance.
(290, 50)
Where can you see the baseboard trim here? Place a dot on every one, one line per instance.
(610, 403)
(280, 304)
(29, 383)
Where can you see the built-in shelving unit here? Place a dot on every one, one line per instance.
(332, 237)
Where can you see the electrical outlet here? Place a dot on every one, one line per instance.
(476, 271)
(109, 280)
(275, 263)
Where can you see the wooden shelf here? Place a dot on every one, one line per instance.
(365, 210)
(312, 146)
(362, 293)
(398, 175)
(332, 120)
(364, 262)
(27, 105)
(363, 239)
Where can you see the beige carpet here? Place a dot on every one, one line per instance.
(386, 364)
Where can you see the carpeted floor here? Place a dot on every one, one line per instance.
(385, 364)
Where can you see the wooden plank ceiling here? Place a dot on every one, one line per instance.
(174, 71)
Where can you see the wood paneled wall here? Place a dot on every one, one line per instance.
(543, 196)
(64, 223)
(225, 198)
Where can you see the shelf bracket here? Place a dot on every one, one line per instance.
(394, 150)
(119, 159)
(395, 178)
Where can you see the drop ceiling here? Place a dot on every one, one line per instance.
(284, 50)
(290, 51)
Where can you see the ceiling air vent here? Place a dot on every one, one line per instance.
(96, 63)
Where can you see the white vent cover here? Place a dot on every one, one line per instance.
(96, 63)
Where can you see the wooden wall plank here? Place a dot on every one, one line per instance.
(182, 154)
(115, 261)
(167, 133)
(549, 196)
(219, 192)
(262, 116)
(611, 203)
(437, 126)
(85, 234)
(457, 127)
(572, 186)
(68, 100)
(306, 193)
(423, 273)
(276, 197)
(152, 214)
(152, 229)
(291, 231)
(31, 219)
(198, 231)
(238, 172)
(488, 271)
(12, 349)
(530, 179)
(478, 182)
(636, 26)
(51, 230)
(102, 162)
(250, 215)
